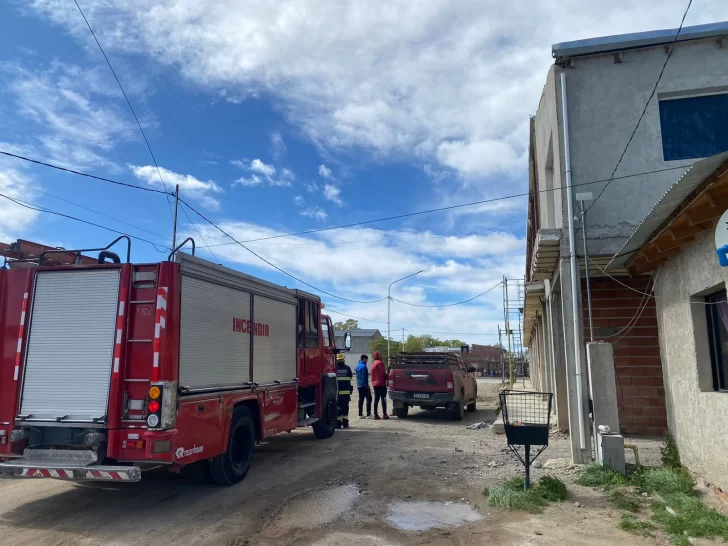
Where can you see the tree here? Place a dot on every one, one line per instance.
(350, 324)
(380, 345)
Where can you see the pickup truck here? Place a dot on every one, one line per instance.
(432, 380)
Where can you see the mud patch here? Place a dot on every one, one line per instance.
(317, 508)
(421, 516)
(336, 539)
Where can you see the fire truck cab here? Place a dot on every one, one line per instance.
(109, 368)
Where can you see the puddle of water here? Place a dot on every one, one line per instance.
(337, 539)
(317, 508)
(421, 516)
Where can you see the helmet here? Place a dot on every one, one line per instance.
(340, 358)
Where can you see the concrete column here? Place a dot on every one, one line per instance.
(603, 385)
(578, 455)
(558, 368)
(549, 379)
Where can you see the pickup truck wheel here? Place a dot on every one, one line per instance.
(326, 426)
(459, 413)
(472, 406)
(402, 412)
(230, 467)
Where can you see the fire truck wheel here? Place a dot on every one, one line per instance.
(230, 467)
(325, 427)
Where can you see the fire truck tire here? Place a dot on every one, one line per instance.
(230, 467)
(325, 427)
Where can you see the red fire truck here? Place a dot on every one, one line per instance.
(111, 368)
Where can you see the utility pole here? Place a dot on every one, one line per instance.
(582, 198)
(174, 221)
(503, 367)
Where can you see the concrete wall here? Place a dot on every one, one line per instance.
(605, 100)
(697, 416)
(359, 346)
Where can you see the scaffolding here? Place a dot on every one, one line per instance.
(514, 295)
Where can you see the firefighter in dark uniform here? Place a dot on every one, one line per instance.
(343, 377)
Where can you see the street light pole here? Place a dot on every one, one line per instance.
(389, 306)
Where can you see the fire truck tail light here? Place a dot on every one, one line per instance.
(154, 392)
(132, 444)
(153, 406)
(162, 405)
(153, 420)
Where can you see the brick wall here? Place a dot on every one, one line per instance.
(638, 368)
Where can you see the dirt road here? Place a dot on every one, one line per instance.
(343, 490)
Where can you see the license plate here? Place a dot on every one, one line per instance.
(421, 395)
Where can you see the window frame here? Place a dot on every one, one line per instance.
(717, 365)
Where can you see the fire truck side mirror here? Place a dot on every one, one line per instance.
(347, 341)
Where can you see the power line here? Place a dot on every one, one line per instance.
(451, 304)
(472, 203)
(269, 262)
(357, 318)
(31, 206)
(133, 113)
(79, 173)
(441, 209)
(206, 247)
(447, 333)
(644, 110)
(81, 206)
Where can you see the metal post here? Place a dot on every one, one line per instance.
(527, 482)
(174, 221)
(503, 366)
(586, 265)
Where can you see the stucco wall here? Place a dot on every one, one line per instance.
(697, 416)
(605, 100)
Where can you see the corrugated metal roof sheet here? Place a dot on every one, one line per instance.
(673, 197)
(605, 44)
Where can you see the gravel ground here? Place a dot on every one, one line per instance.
(343, 490)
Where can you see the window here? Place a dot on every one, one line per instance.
(717, 311)
(694, 127)
(312, 322)
(325, 332)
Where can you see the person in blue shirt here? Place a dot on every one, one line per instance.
(362, 384)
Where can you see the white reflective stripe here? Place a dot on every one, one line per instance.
(164, 288)
(25, 296)
(156, 360)
(162, 322)
(118, 336)
(161, 303)
(17, 369)
(121, 308)
(53, 473)
(22, 318)
(20, 343)
(116, 365)
(157, 328)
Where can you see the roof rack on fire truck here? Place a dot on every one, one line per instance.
(26, 254)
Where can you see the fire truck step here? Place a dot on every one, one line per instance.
(307, 422)
(306, 405)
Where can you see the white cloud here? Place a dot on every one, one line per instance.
(324, 171)
(263, 173)
(317, 213)
(446, 82)
(333, 194)
(15, 220)
(299, 200)
(277, 145)
(311, 187)
(188, 184)
(68, 117)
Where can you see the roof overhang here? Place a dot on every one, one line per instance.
(535, 293)
(691, 205)
(545, 254)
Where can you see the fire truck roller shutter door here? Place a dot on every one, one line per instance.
(71, 344)
(274, 341)
(214, 338)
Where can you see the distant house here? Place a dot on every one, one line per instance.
(485, 358)
(359, 344)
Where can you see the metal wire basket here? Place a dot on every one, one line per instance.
(526, 420)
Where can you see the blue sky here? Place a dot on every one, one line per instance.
(285, 117)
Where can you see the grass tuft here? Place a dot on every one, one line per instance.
(631, 524)
(598, 476)
(667, 481)
(685, 515)
(513, 496)
(670, 453)
(623, 502)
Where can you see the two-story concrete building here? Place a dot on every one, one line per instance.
(586, 134)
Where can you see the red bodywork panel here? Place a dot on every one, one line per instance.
(147, 349)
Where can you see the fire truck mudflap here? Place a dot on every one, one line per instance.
(66, 465)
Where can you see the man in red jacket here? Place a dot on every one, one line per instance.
(379, 382)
